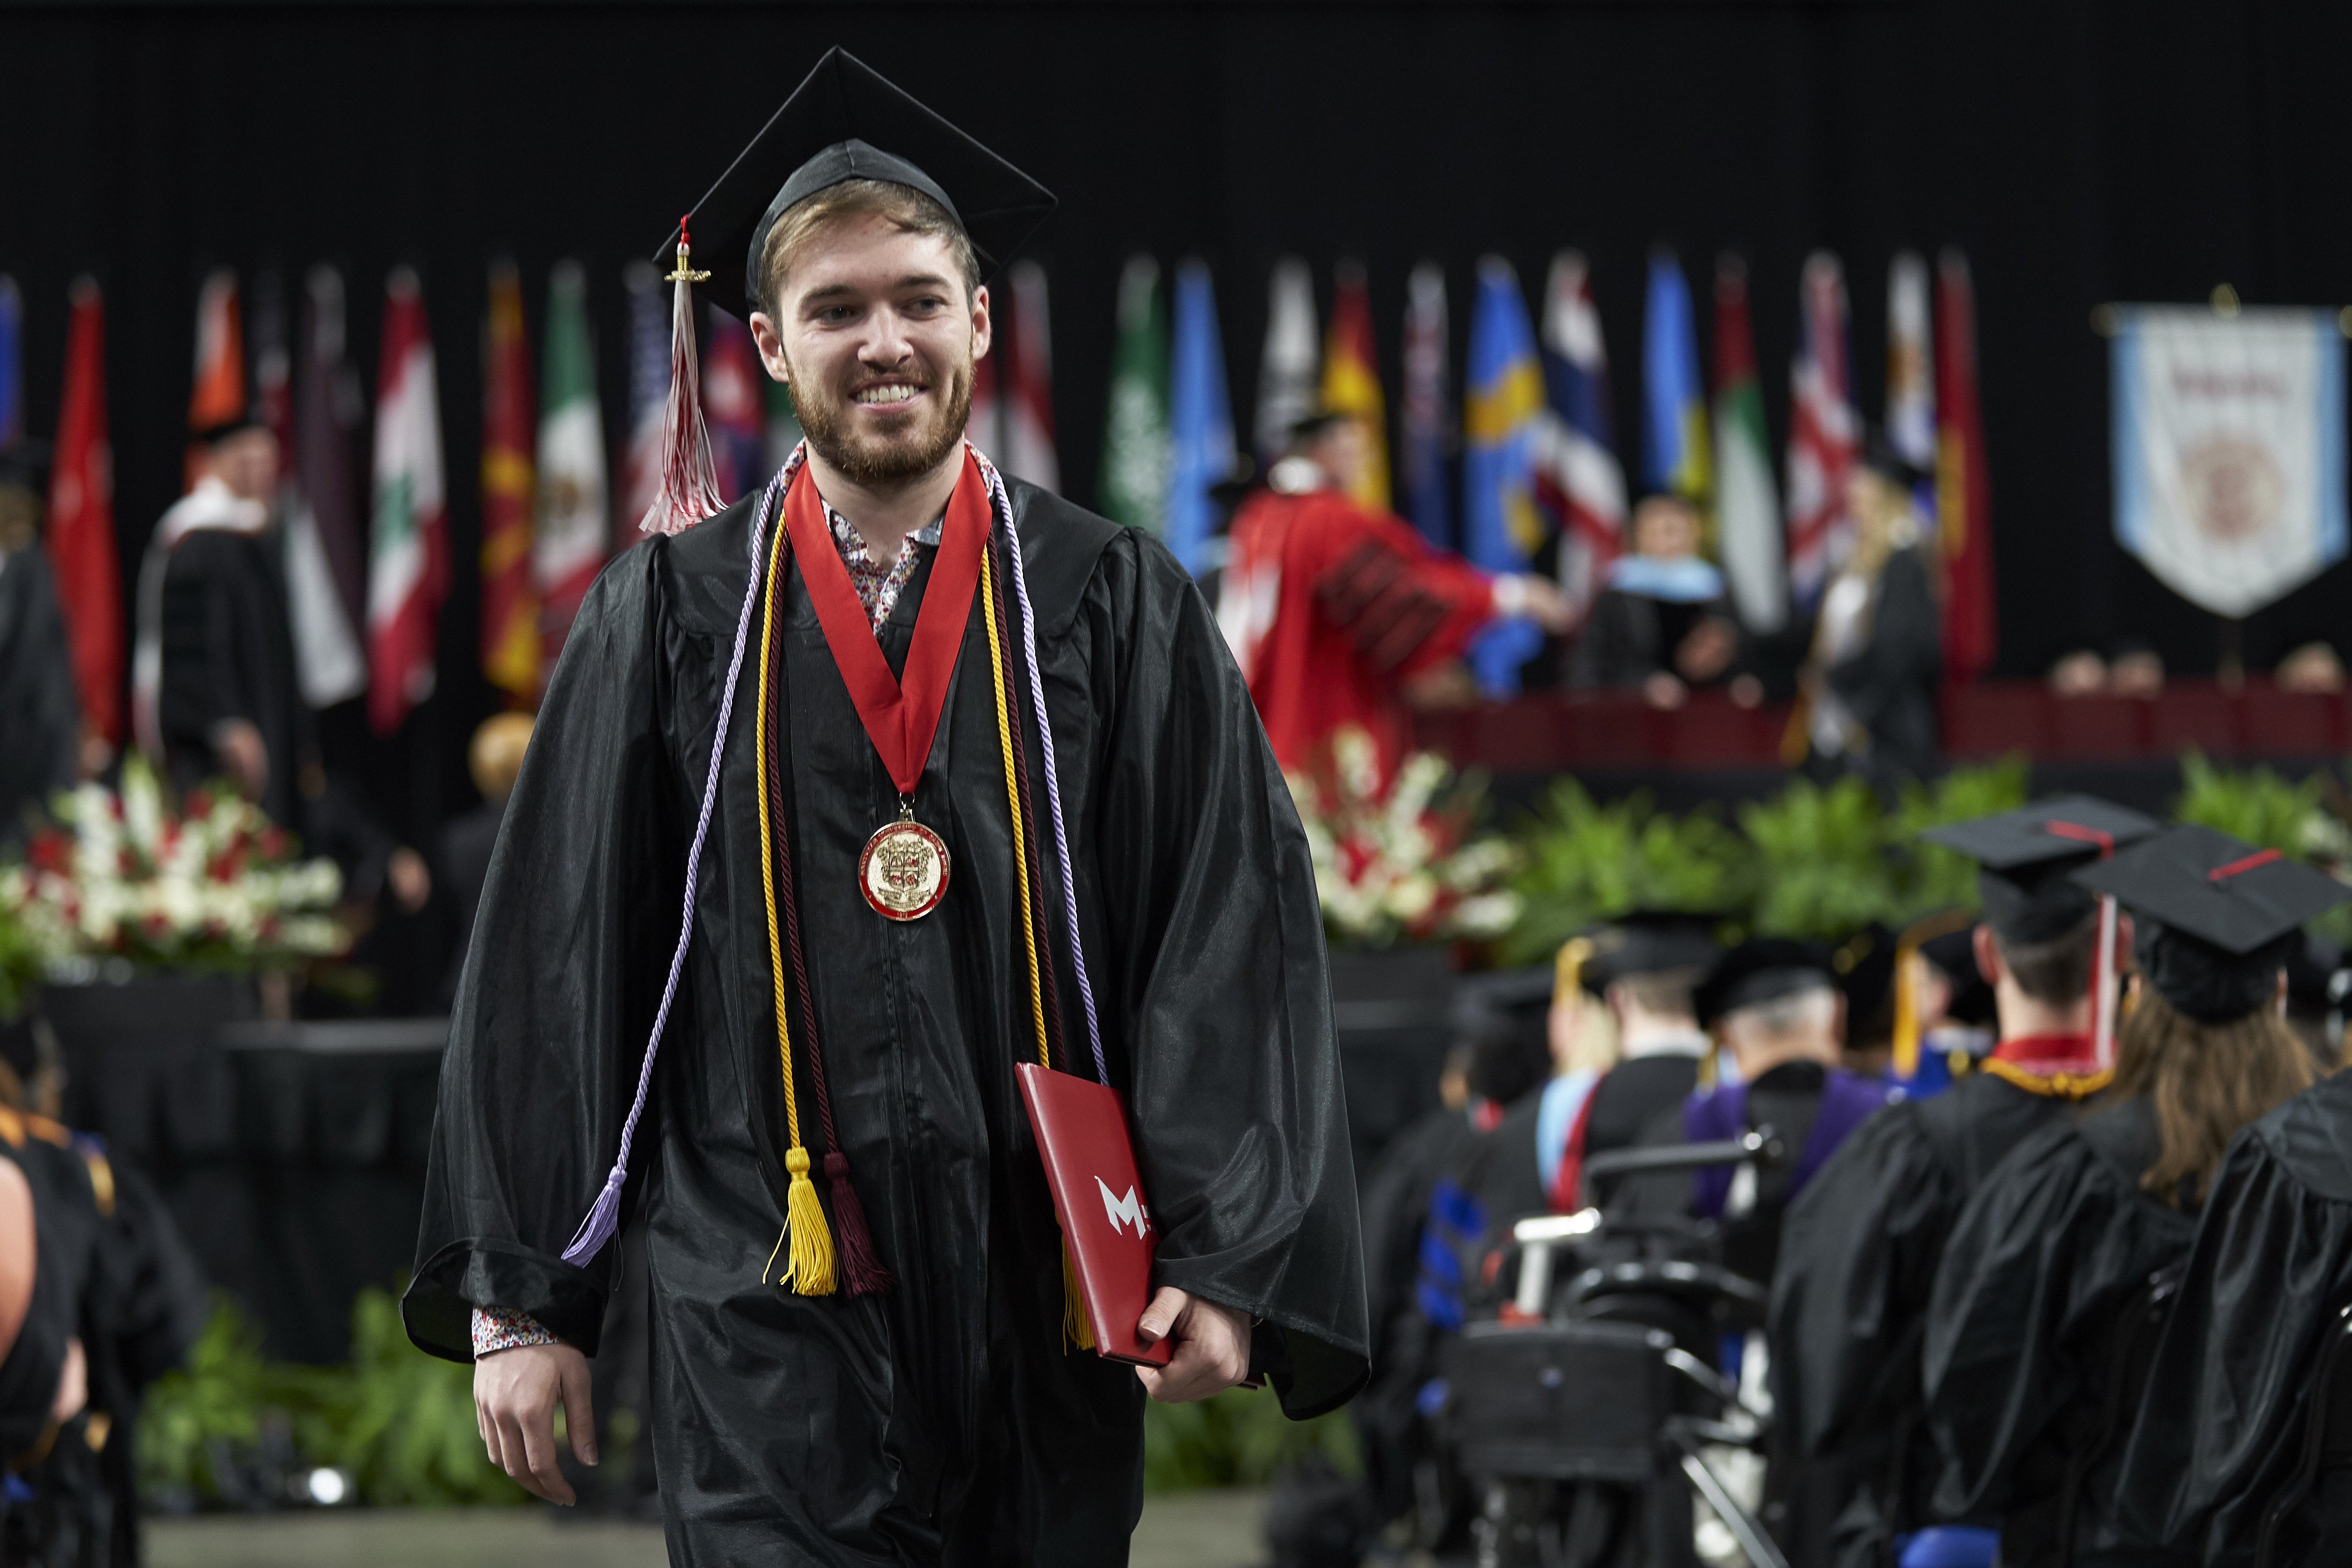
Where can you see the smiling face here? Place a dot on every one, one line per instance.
(876, 333)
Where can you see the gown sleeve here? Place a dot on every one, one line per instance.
(1405, 605)
(1221, 992)
(1858, 1255)
(2227, 1402)
(555, 1004)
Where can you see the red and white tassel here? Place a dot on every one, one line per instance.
(690, 481)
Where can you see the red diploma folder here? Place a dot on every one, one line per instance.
(1081, 1130)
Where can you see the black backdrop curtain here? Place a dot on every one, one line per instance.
(2078, 152)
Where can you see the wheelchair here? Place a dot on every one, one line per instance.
(1589, 1418)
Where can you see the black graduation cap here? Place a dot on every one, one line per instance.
(1863, 965)
(1650, 942)
(1762, 969)
(2024, 858)
(237, 424)
(1879, 456)
(2216, 918)
(845, 121)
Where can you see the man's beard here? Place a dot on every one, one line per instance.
(883, 460)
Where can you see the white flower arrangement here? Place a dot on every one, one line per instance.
(1398, 864)
(213, 887)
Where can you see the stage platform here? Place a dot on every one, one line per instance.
(1711, 749)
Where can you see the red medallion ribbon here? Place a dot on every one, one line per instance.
(900, 718)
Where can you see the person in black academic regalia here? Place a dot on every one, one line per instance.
(809, 724)
(1868, 687)
(1644, 968)
(1664, 623)
(2032, 1360)
(115, 1301)
(41, 718)
(213, 692)
(2230, 1386)
(1859, 1251)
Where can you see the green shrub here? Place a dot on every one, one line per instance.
(1237, 1439)
(1822, 866)
(398, 1422)
(1941, 878)
(1584, 862)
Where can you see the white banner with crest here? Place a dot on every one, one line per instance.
(2229, 449)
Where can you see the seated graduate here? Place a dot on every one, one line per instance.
(1859, 1250)
(1664, 623)
(2231, 1387)
(1643, 969)
(2053, 1266)
(1773, 1003)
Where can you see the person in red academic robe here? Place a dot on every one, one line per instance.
(1335, 611)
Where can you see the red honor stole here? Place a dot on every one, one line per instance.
(904, 870)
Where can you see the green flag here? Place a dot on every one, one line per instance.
(1747, 509)
(1135, 443)
(574, 522)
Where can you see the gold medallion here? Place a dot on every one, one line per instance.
(903, 871)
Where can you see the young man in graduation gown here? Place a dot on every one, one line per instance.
(2212, 1463)
(1333, 608)
(213, 692)
(2057, 1274)
(1859, 1250)
(878, 1372)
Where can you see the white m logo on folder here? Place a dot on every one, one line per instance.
(1128, 1208)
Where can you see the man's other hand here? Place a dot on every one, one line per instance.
(1213, 1346)
(515, 1395)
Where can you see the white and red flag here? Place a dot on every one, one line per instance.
(408, 546)
(1577, 479)
(1824, 431)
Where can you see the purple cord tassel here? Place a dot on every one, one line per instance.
(604, 1213)
(1053, 778)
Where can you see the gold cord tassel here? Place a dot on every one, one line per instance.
(808, 1262)
(1075, 1328)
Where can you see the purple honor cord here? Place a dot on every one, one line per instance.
(604, 1213)
(1053, 778)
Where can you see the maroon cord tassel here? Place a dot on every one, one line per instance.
(860, 1266)
(689, 482)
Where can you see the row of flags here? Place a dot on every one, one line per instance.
(366, 577)
(1539, 458)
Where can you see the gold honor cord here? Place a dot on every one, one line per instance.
(808, 1261)
(2054, 1085)
(1075, 1328)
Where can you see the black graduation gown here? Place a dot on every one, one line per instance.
(39, 716)
(228, 654)
(943, 1422)
(2229, 1390)
(1636, 1104)
(1857, 1266)
(1889, 684)
(2036, 1282)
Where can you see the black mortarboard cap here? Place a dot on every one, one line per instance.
(1762, 969)
(2216, 917)
(1879, 456)
(1863, 965)
(845, 121)
(2025, 858)
(237, 424)
(1650, 942)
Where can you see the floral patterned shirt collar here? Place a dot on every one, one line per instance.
(879, 586)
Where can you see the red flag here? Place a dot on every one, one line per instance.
(1824, 431)
(1963, 491)
(509, 606)
(218, 394)
(81, 522)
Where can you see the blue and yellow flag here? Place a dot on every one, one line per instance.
(1674, 397)
(1501, 526)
